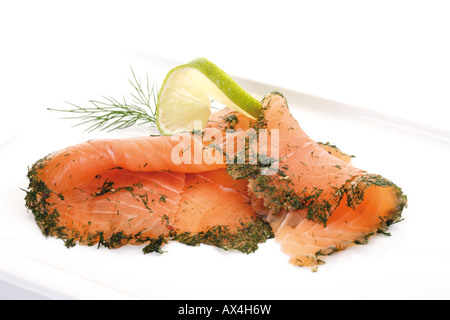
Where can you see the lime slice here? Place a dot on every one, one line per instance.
(186, 94)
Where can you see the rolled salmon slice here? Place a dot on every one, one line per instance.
(317, 202)
(131, 191)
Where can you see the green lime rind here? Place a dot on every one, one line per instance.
(247, 104)
(239, 99)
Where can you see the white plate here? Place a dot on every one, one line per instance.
(413, 263)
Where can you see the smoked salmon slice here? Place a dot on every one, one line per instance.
(307, 195)
(117, 192)
(317, 202)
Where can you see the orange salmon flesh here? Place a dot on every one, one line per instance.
(130, 191)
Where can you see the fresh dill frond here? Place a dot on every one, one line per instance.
(111, 114)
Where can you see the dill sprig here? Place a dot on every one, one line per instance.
(111, 114)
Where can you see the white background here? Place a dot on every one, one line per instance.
(387, 56)
(390, 56)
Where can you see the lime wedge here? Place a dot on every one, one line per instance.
(188, 90)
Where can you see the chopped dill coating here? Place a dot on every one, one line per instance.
(231, 120)
(245, 239)
(155, 244)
